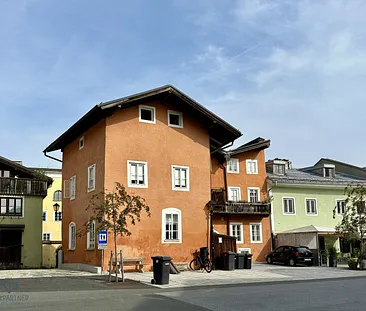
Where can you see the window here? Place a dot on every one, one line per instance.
(72, 236)
(256, 233)
(46, 237)
(253, 195)
(329, 170)
(11, 206)
(234, 194)
(91, 178)
(137, 174)
(252, 166)
(175, 119)
(147, 114)
(72, 187)
(57, 195)
(180, 178)
(91, 235)
(58, 216)
(279, 169)
(81, 143)
(233, 166)
(172, 226)
(288, 206)
(44, 216)
(236, 230)
(341, 207)
(5, 174)
(311, 208)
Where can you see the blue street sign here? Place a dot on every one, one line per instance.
(103, 237)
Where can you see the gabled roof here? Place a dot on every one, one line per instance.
(30, 173)
(221, 132)
(256, 144)
(343, 167)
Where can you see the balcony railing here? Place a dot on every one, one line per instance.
(221, 205)
(22, 186)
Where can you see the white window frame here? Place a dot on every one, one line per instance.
(146, 175)
(90, 238)
(316, 207)
(241, 241)
(174, 167)
(72, 247)
(50, 239)
(244, 250)
(229, 193)
(10, 196)
(73, 187)
(283, 206)
(91, 177)
(251, 234)
(229, 170)
(45, 213)
(163, 225)
(54, 216)
(153, 109)
(248, 167)
(81, 141)
(258, 191)
(340, 200)
(177, 113)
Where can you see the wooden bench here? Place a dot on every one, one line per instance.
(132, 261)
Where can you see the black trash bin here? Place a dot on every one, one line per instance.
(248, 261)
(229, 260)
(204, 253)
(239, 261)
(161, 268)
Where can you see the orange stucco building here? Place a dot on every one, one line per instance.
(158, 144)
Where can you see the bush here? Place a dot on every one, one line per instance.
(352, 263)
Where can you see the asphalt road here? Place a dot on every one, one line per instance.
(93, 294)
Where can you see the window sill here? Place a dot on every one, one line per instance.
(288, 214)
(311, 215)
(90, 249)
(136, 186)
(232, 172)
(147, 121)
(252, 173)
(256, 242)
(176, 126)
(71, 249)
(172, 242)
(91, 189)
(180, 189)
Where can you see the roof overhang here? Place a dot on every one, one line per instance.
(221, 133)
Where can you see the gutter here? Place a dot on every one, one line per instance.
(53, 158)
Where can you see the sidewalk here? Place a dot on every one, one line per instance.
(258, 274)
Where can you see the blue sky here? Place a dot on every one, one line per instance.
(290, 71)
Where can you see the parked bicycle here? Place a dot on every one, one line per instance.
(200, 263)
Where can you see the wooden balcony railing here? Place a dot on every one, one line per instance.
(22, 186)
(221, 205)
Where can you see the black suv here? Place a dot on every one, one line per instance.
(291, 255)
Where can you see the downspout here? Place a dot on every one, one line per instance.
(48, 156)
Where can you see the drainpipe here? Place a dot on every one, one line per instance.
(48, 156)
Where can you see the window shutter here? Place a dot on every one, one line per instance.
(66, 189)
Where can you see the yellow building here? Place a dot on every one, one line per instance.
(52, 219)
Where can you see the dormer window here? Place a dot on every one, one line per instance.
(279, 169)
(329, 170)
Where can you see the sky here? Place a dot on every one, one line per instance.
(290, 71)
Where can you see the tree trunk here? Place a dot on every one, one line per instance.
(115, 253)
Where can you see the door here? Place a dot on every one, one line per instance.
(10, 248)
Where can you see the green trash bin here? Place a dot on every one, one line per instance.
(248, 261)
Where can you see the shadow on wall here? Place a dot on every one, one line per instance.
(264, 251)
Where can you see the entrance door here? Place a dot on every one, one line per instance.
(322, 252)
(10, 248)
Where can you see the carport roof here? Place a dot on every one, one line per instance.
(311, 229)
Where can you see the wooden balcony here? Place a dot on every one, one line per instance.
(23, 186)
(220, 205)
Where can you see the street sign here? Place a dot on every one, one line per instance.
(102, 239)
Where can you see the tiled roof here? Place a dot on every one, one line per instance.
(297, 176)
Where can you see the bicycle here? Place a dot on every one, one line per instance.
(199, 263)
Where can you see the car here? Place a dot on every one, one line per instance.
(291, 255)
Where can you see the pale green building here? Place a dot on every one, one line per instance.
(21, 195)
(308, 203)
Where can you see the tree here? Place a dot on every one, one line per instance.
(353, 223)
(115, 211)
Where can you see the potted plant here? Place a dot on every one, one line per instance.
(352, 263)
(332, 253)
